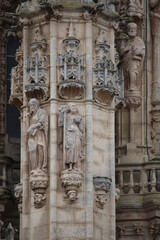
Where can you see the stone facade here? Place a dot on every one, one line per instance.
(86, 85)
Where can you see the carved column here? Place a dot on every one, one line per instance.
(53, 127)
(89, 128)
(24, 127)
(155, 29)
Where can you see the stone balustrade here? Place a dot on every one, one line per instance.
(138, 179)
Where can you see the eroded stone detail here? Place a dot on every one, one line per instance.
(106, 78)
(18, 191)
(37, 68)
(102, 186)
(16, 97)
(71, 68)
(37, 148)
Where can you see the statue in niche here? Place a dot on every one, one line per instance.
(72, 124)
(132, 55)
(37, 137)
(155, 17)
(10, 232)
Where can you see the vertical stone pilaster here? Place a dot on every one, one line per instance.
(24, 158)
(89, 133)
(53, 130)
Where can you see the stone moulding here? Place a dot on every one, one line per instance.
(39, 184)
(71, 181)
(18, 191)
(102, 186)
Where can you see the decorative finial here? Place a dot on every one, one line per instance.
(71, 30)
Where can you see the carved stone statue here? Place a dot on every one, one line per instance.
(132, 58)
(72, 124)
(37, 137)
(10, 232)
(155, 17)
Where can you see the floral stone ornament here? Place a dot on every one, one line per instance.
(102, 186)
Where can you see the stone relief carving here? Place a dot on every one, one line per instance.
(71, 68)
(16, 97)
(132, 55)
(102, 186)
(73, 153)
(37, 148)
(37, 68)
(106, 77)
(18, 191)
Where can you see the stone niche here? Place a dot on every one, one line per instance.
(71, 68)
